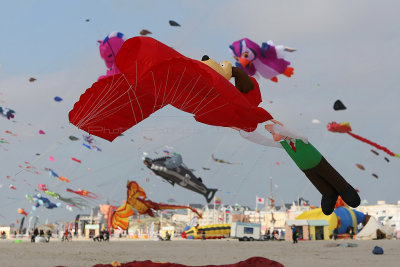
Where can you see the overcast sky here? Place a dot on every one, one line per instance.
(346, 50)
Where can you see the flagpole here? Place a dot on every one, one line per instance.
(272, 206)
(256, 203)
(224, 214)
(214, 212)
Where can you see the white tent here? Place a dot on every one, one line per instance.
(370, 230)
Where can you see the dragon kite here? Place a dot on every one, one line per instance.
(136, 198)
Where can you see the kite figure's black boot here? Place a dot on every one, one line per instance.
(328, 204)
(331, 183)
(351, 197)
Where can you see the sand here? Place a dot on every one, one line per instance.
(305, 253)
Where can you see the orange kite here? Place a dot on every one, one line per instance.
(136, 198)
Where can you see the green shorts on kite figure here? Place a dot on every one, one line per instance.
(317, 169)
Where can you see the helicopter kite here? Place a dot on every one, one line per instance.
(174, 171)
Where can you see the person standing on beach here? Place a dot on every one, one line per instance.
(294, 234)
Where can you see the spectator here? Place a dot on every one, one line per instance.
(294, 234)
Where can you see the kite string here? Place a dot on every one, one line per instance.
(51, 148)
(215, 150)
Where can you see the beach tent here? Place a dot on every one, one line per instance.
(302, 229)
(319, 229)
(390, 233)
(341, 218)
(372, 230)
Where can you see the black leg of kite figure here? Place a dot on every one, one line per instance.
(317, 169)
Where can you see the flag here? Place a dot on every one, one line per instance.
(227, 211)
(259, 200)
(217, 200)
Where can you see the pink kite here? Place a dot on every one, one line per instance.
(109, 48)
(41, 132)
(42, 187)
(51, 158)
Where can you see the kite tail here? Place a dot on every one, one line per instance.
(373, 144)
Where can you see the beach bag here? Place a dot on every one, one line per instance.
(377, 250)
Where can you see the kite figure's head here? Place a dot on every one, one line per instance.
(225, 68)
(110, 46)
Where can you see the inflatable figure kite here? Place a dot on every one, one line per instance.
(83, 193)
(311, 162)
(345, 128)
(6, 112)
(109, 48)
(174, 171)
(267, 60)
(136, 198)
(38, 201)
(154, 75)
(341, 218)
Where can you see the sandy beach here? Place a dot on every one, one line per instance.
(306, 253)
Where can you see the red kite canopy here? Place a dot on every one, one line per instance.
(152, 76)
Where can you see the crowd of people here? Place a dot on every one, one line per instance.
(274, 235)
(40, 233)
(103, 236)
